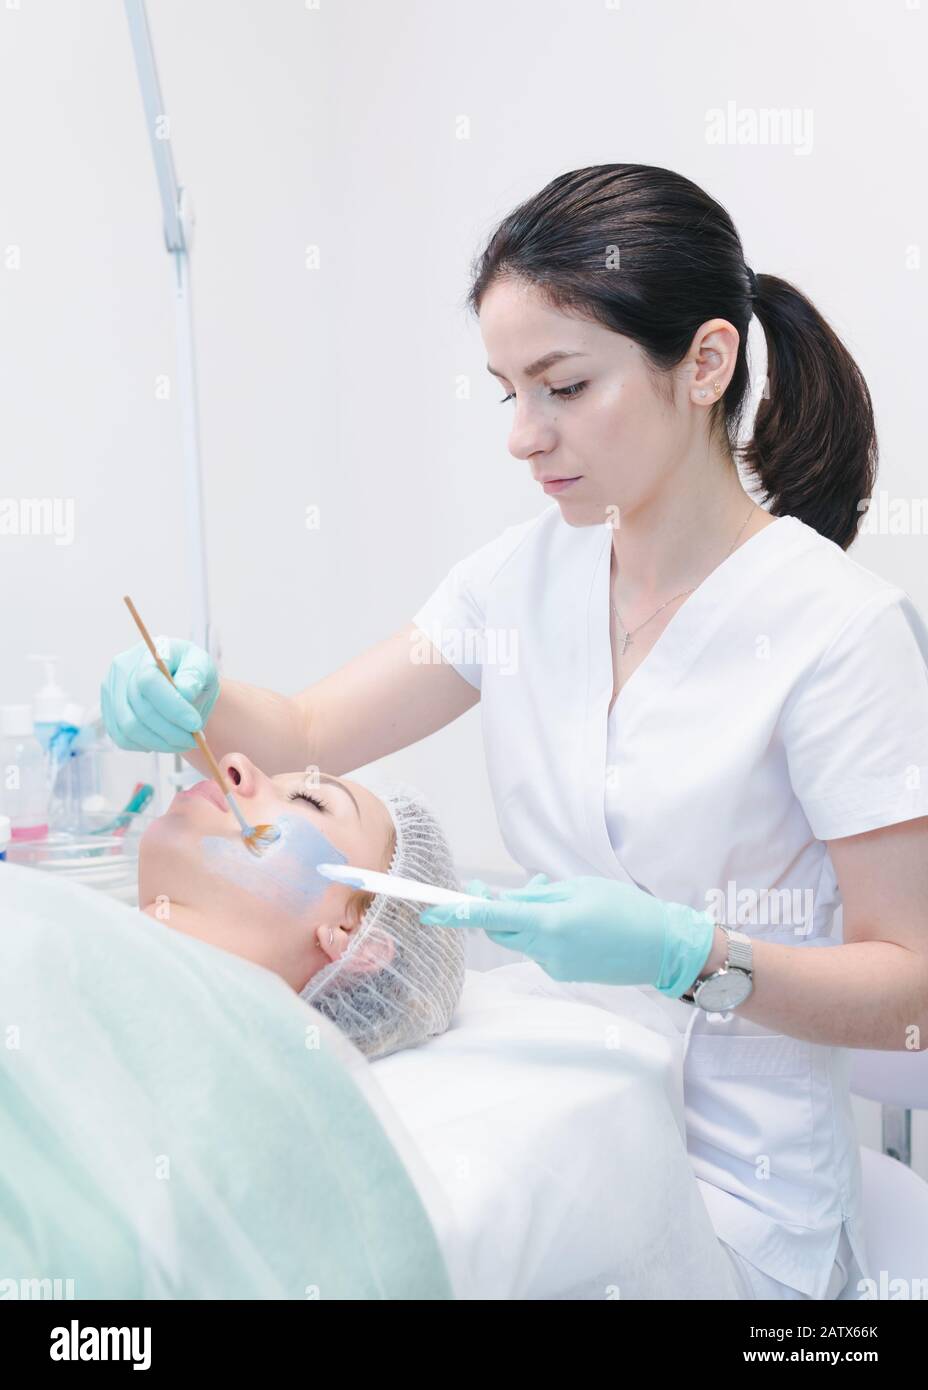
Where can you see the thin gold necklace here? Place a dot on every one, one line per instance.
(627, 636)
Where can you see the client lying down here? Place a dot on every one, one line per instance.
(363, 960)
(178, 1119)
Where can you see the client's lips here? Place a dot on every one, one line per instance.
(208, 789)
(558, 484)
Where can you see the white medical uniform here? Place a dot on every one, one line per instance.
(784, 704)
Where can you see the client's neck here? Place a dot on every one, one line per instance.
(191, 920)
(292, 952)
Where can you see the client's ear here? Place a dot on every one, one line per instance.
(377, 949)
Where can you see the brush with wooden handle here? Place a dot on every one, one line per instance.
(255, 836)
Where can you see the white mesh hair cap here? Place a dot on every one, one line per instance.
(413, 997)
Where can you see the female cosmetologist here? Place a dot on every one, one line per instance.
(711, 704)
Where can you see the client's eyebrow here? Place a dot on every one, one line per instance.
(324, 777)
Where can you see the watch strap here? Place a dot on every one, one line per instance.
(739, 956)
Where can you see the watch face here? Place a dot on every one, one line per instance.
(725, 991)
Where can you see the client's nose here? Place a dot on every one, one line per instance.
(240, 773)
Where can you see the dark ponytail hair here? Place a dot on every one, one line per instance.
(648, 254)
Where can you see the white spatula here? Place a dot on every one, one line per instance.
(393, 886)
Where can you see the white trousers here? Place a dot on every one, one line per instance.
(754, 1284)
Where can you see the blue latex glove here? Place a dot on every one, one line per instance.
(592, 930)
(143, 712)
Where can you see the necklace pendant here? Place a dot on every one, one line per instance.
(625, 641)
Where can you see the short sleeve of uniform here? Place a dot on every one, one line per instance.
(453, 617)
(855, 728)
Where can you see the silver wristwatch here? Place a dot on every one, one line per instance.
(728, 987)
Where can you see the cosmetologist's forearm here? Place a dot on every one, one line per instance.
(267, 727)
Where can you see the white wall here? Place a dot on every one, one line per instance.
(340, 127)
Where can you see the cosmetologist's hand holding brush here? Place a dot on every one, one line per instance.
(256, 837)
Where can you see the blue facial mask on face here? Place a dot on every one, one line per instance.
(285, 873)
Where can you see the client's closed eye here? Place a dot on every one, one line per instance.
(313, 800)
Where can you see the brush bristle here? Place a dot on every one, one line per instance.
(260, 837)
